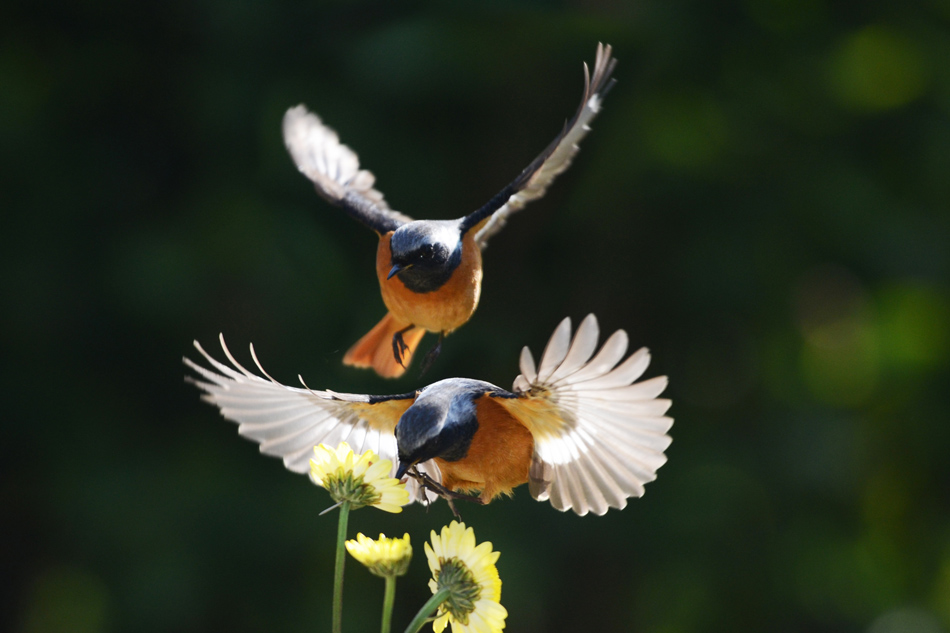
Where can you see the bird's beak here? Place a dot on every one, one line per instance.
(401, 471)
(395, 269)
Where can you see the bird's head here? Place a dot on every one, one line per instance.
(440, 423)
(425, 253)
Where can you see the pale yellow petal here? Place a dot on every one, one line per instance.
(467, 541)
(491, 610)
(476, 624)
(431, 557)
(361, 464)
(486, 620)
(480, 556)
(346, 457)
(378, 469)
(437, 549)
(452, 536)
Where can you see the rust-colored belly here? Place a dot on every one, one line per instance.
(498, 458)
(441, 310)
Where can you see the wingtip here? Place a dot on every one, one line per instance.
(604, 64)
(526, 363)
(297, 113)
(555, 350)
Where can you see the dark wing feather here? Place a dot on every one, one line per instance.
(532, 183)
(335, 170)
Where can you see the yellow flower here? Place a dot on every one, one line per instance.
(387, 557)
(362, 480)
(469, 572)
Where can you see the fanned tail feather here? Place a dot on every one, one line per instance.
(375, 349)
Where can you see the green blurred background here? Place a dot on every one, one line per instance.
(764, 202)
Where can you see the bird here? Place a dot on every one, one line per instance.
(577, 427)
(429, 271)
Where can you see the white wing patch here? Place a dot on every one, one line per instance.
(288, 422)
(599, 437)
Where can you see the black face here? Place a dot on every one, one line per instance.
(424, 254)
(421, 435)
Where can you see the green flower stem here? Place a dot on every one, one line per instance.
(431, 605)
(338, 572)
(389, 598)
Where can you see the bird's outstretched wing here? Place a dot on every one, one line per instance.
(288, 422)
(598, 438)
(534, 180)
(335, 170)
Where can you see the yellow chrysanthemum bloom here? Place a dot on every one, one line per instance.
(362, 480)
(387, 557)
(469, 572)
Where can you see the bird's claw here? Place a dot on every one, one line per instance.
(429, 483)
(431, 355)
(399, 346)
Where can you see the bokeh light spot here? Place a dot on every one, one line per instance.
(843, 376)
(940, 596)
(684, 130)
(915, 325)
(906, 620)
(840, 360)
(877, 69)
(886, 502)
(64, 600)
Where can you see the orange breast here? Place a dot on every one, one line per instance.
(442, 310)
(498, 458)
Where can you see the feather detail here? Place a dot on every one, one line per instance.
(335, 170)
(533, 182)
(288, 422)
(554, 351)
(599, 436)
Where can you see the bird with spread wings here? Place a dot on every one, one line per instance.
(577, 427)
(429, 271)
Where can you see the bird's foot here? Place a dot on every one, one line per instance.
(431, 355)
(450, 496)
(399, 345)
(455, 512)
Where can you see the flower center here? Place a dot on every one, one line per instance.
(342, 486)
(463, 590)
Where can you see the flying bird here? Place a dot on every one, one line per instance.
(429, 271)
(576, 428)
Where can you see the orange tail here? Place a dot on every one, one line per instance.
(375, 349)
